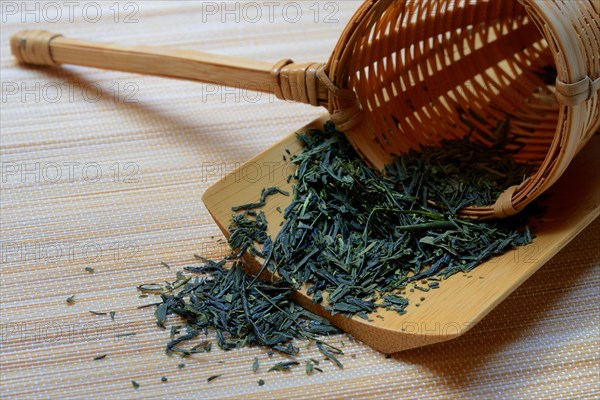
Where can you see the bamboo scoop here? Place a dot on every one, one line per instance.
(410, 73)
(448, 312)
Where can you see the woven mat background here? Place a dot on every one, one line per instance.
(106, 170)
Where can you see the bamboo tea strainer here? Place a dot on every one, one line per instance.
(409, 73)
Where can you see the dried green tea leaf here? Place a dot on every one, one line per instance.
(212, 378)
(152, 288)
(283, 366)
(309, 367)
(161, 314)
(263, 198)
(328, 351)
(126, 334)
(203, 347)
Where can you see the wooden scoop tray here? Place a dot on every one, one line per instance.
(460, 302)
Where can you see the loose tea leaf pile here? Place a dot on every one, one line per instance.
(355, 238)
(458, 173)
(362, 238)
(242, 312)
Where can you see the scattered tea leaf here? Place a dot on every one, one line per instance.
(203, 347)
(126, 334)
(328, 351)
(283, 366)
(309, 367)
(161, 314)
(152, 288)
(212, 378)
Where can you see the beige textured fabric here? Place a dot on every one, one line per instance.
(106, 170)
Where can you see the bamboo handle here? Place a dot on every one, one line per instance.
(46, 48)
(305, 83)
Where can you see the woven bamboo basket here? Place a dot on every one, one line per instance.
(410, 73)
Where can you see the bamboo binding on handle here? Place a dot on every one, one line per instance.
(408, 73)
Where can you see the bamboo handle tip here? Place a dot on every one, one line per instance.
(33, 47)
